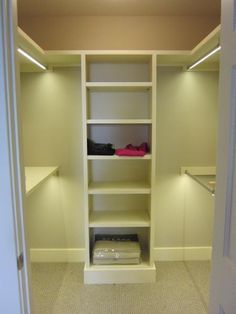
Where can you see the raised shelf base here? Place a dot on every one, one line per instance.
(142, 273)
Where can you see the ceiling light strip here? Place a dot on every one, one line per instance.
(26, 55)
(209, 54)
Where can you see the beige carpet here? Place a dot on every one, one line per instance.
(181, 288)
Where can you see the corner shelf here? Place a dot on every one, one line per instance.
(204, 176)
(134, 218)
(119, 188)
(35, 176)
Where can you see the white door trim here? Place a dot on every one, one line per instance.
(223, 275)
(14, 284)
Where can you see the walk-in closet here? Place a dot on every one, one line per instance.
(119, 150)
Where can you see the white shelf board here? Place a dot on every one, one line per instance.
(119, 85)
(125, 218)
(35, 176)
(119, 121)
(115, 157)
(119, 188)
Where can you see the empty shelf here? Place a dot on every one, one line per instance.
(119, 121)
(119, 85)
(115, 157)
(119, 188)
(35, 176)
(119, 219)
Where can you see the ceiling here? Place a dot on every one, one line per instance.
(34, 8)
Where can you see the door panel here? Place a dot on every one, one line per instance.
(223, 279)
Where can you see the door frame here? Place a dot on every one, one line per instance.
(14, 284)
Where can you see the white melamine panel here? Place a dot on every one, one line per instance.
(119, 105)
(123, 170)
(118, 202)
(119, 219)
(118, 72)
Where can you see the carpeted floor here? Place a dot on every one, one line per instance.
(181, 288)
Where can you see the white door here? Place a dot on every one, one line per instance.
(14, 291)
(223, 280)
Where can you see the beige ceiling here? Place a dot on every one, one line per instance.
(119, 7)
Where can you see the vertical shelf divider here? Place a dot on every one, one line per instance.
(85, 161)
(153, 161)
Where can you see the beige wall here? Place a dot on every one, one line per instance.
(116, 32)
(186, 136)
(51, 121)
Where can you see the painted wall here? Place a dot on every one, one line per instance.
(186, 136)
(51, 121)
(118, 32)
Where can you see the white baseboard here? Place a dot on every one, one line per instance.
(195, 253)
(160, 254)
(57, 255)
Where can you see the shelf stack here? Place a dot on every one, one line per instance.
(118, 99)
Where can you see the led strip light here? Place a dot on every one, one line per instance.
(204, 58)
(26, 55)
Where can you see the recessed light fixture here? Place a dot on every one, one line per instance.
(204, 58)
(26, 55)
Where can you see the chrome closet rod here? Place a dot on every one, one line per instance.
(212, 191)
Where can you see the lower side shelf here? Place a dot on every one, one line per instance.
(117, 274)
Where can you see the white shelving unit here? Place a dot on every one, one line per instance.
(35, 176)
(118, 81)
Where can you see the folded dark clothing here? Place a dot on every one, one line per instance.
(99, 148)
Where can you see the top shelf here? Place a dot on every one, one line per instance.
(119, 85)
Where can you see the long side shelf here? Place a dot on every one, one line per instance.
(119, 85)
(124, 218)
(119, 188)
(119, 121)
(35, 176)
(115, 157)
